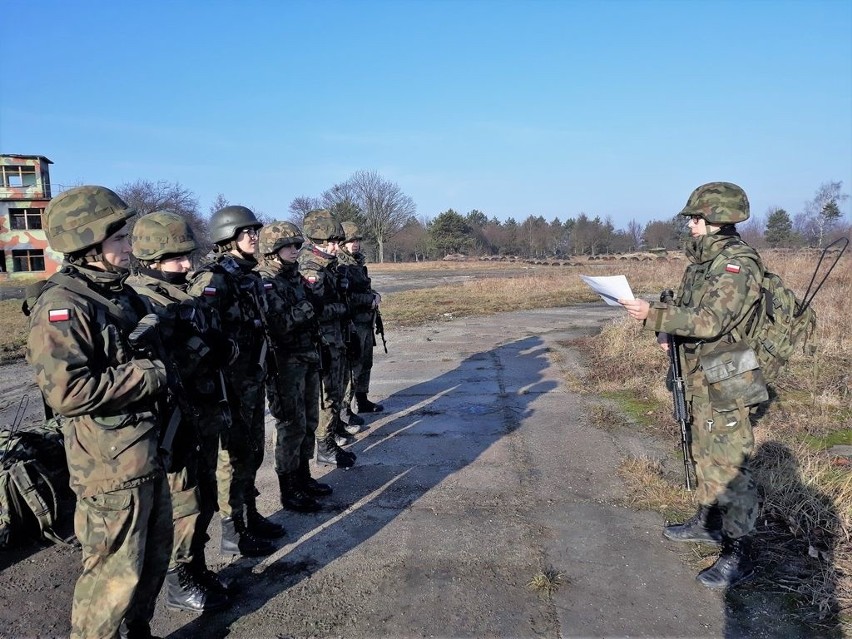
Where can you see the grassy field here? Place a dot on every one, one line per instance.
(803, 536)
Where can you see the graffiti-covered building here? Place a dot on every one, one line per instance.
(24, 194)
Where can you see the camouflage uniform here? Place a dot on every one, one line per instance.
(717, 295)
(232, 288)
(89, 374)
(319, 271)
(362, 308)
(292, 394)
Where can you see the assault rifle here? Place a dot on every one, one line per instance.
(676, 384)
(268, 343)
(380, 328)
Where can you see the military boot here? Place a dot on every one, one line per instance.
(135, 630)
(185, 592)
(293, 497)
(328, 452)
(236, 540)
(704, 526)
(209, 579)
(260, 526)
(308, 484)
(733, 566)
(364, 405)
(351, 422)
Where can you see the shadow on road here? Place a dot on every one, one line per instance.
(436, 429)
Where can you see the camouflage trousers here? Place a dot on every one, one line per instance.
(242, 453)
(332, 380)
(722, 443)
(126, 536)
(211, 427)
(183, 488)
(358, 377)
(294, 403)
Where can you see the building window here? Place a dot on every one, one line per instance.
(25, 219)
(2, 261)
(18, 176)
(27, 260)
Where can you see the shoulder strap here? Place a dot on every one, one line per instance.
(79, 287)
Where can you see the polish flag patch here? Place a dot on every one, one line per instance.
(209, 291)
(59, 315)
(267, 286)
(732, 268)
(311, 279)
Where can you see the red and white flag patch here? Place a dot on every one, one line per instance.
(733, 268)
(209, 291)
(59, 315)
(267, 286)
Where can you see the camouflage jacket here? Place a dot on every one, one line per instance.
(716, 294)
(319, 272)
(235, 292)
(361, 293)
(292, 333)
(88, 373)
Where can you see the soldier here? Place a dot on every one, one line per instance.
(318, 266)
(363, 305)
(89, 373)
(716, 295)
(163, 243)
(293, 394)
(235, 292)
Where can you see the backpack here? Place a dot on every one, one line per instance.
(779, 325)
(33, 484)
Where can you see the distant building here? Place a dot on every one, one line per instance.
(24, 194)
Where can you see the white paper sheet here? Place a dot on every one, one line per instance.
(610, 287)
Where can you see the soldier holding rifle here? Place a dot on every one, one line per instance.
(716, 295)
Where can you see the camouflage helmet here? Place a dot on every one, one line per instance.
(320, 224)
(718, 203)
(276, 235)
(160, 234)
(226, 223)
(352, 231)
(83, 217)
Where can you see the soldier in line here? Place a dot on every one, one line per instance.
(364, 303)
(716, 295)
(318, 266)
(89, 373)
(163, 243)
(230, 285)
(293, 394)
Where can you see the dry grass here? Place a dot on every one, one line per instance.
(546, 582)
(14, 331)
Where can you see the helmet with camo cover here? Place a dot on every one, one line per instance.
(226, 223)
(718, 203)
(161, 234)
(352, 231)
(321, 225)
(83, 217)
(277, 235)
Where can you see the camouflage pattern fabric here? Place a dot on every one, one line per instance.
(361, 298)
(126, 536)
(318, 270)
(715, 296)
(293, 395)
(718, 203)
(233, 290)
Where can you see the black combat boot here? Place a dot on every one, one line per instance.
(704, 526)
(733, 566)
(185, 592)
(293, 497)
(209, 579)
(351, 422)
(236, 540)
(308, 484)
(328, 452)
(260, 526)
(364, 405)
(135, 630)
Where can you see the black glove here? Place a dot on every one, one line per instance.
(303, 312)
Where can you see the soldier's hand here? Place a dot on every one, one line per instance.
(663, 341)
(377, 299)
(303, 312)
(637, 309)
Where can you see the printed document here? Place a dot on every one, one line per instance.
(611, 288)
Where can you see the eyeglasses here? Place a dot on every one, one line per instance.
(695, 219)
(251, 232)
(296, 245)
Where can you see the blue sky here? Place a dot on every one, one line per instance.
(612, 108)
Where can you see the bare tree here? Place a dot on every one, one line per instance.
(634, 232)
(300, 206)
(146, 197)
(218, 204)
(384, 206)
(823, 211)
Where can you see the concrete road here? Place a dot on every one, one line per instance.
(482, 471)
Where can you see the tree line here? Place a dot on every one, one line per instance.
(387, 218)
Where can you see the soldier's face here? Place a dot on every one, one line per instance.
(180, 264)
(116, 248)
(697, 226)
(247, 240)
(353, 246)
(289, 253)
